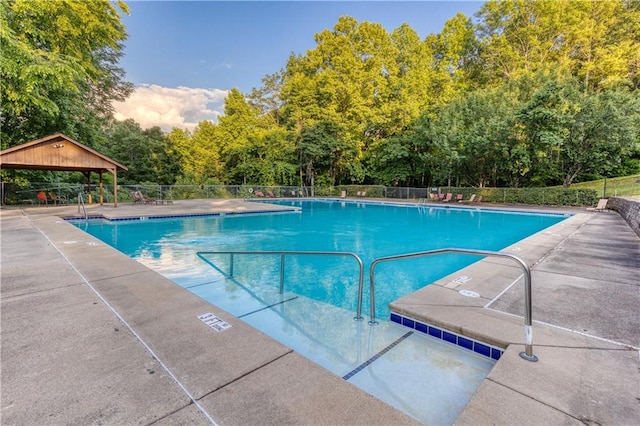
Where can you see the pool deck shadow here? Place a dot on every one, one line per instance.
(92, 336)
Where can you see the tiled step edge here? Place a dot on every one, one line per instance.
(480, 348)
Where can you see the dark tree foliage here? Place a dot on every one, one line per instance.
(527, 93)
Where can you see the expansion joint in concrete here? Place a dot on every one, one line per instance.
(169, 415)
(246, 374)
(45, 290)
(534, 399)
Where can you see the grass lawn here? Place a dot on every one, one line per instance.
(620, 186)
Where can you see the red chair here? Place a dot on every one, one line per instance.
(42, 197)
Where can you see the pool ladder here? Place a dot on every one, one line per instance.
(81, 204)
(528, 326)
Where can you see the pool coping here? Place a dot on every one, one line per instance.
(511, 399)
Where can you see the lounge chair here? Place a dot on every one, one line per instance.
(602, 205)
(459, 197)
(258, 194)
(470, 200)
(56, 199)
(149, 200)
(448, 197)
(270, 194)
(137, 197)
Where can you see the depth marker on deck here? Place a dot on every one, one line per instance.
(214, 322)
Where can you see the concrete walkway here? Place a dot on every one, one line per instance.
(89, 336)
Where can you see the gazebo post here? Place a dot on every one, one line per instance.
(89, 198)
(101, 196)
(115, 188)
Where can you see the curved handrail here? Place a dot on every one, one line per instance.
(84, 209)
(528, 328)
(282, 254)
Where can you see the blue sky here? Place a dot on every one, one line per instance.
(184, 56)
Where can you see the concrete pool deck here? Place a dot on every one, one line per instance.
(91, 336)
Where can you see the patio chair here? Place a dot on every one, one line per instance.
(42, 198)
(470, 200)
(459, 197)
(448, 197)
(602, 205)
(258, 194)
(137, 197)
(57, 199)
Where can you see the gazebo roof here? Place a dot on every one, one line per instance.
(57, 152)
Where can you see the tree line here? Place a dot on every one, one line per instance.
(526, 93)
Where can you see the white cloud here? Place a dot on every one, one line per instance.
(166, 107)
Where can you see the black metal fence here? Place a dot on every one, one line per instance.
(27, 193)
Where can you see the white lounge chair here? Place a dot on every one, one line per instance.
(602, 205)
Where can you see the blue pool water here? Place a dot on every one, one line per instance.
(369, 230)
(427, 379)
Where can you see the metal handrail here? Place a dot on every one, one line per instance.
(84, 209)
(528, 328)
(282, 254)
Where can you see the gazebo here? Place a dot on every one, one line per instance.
(61, 153)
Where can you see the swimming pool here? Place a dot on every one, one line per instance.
(369, 230)
(425, 378)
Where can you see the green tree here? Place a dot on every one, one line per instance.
(267, 98)
(574, 133)
(240, 121)
(455, 57)
(369, 83)
(596, 41)
(59, 68)
(147, 153)
(324, 153)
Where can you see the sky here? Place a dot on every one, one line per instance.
(184, 56)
